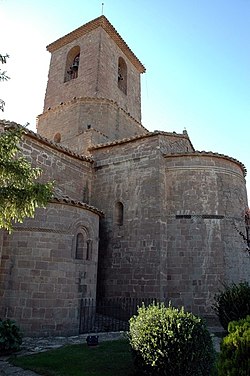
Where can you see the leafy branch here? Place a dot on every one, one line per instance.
(246, 236)
(20, 193)
(3, 77)
(3, 58)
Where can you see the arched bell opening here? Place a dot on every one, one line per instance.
(122, 75)
(72, 64)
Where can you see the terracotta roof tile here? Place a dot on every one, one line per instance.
(103, 22)
(137, 137)
(59, 197)
(44, 140)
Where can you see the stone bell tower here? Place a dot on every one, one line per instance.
(93, 93)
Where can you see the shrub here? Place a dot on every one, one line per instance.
(10, 336)
(169, 341)
(234, 358)
(233, 303)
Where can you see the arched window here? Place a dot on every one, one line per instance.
(119, 213)
(122, 75)
(72, 64)
(79, 246)
(57, 138)
(83, 245)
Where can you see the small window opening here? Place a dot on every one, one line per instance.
(57, 138)
(122, 75)
(79, 246)
(89, 126)
(119, 213)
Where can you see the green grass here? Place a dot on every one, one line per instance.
(111, 358)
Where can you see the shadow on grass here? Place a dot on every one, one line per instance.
(111, 358)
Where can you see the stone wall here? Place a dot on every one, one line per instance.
(97, 78)
(108, 78)
(41, 281)
(129, 253)
(83, 114)
(172, 216)
(130, 173)
(86, 84)
(177, 240)
(93, 99)
(204, 196)
(60, 166)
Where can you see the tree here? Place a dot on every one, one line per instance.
(3, 77)
(20, 193)
(246, 236)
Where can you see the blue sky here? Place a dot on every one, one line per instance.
(196, 52)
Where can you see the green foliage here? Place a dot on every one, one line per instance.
(10, 336)
(20, 194)
(3, 77)
(234, 358)
(3, 60)
(233, 303)
(169, 341)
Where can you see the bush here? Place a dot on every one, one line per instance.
(234, 358)
(169, 341)
(10, 336)
(233, 303)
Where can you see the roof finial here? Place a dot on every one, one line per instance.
(102, 8)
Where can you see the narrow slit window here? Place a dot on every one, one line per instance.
(79, 246)
(88, 250)
(119, 209)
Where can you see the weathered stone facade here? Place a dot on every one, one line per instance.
(42, 282)
(168, 214)
(178, 239)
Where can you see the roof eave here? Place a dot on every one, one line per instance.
(203, 153)
(103, 22)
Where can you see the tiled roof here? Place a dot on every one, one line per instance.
(44, 140)
(202, 153)
(103, 22)
(62, 199)
(137, 137)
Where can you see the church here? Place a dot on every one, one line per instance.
(135, 214)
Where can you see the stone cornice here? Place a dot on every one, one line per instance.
(103, 22)
(98, 101)
(208, 154)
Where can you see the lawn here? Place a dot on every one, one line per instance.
(111, 358)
